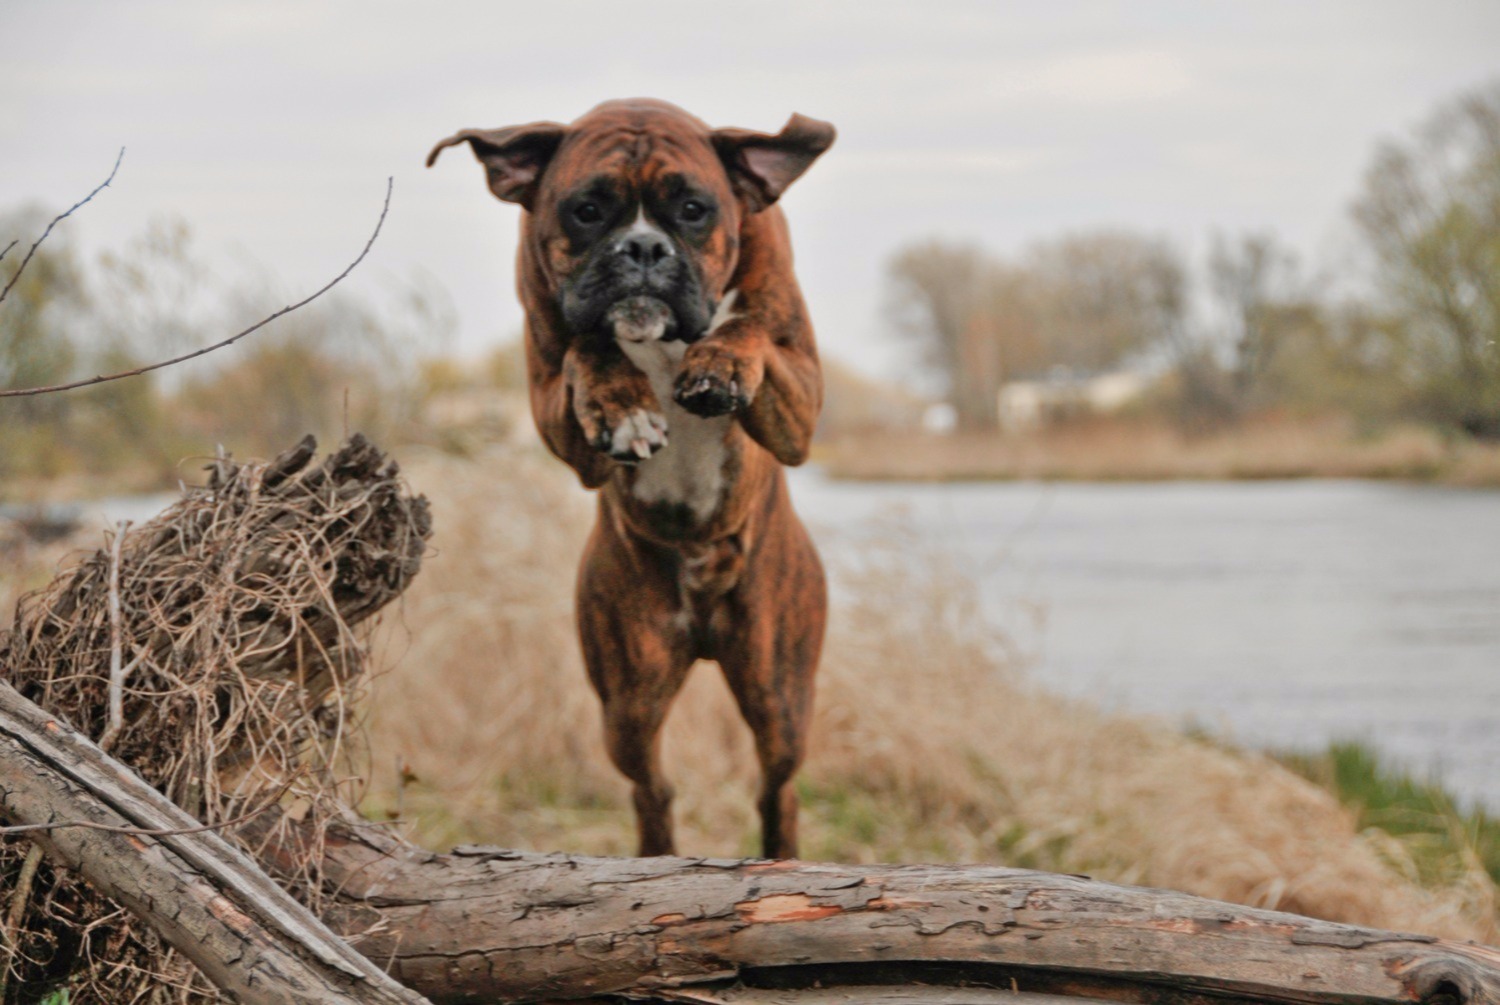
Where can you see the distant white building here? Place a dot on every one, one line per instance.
(1028, 404)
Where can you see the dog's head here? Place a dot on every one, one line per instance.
(636, 208)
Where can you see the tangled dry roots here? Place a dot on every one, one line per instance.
(238, 624)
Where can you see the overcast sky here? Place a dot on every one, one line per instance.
(270, 127)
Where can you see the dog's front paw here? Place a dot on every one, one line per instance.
(716, 381)
(621, 418)
(637, 436)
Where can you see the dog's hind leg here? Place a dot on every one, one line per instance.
(636, 685)
(769, 660)
(637, 653)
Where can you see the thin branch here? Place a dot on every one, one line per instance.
(88, 381)
(117, 669)
(55, 221)
(6, 250)
(146, 831)
(18, 901)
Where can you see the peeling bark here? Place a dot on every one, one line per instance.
(486, 923)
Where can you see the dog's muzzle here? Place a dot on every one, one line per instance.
(642, 319)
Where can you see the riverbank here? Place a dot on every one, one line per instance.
(931, 742)
(1148, 449)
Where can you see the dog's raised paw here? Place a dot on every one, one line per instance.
(636, 437)
(709, 396)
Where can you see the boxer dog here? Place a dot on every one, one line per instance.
(672, 366)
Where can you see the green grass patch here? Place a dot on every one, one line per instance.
(1421, 814)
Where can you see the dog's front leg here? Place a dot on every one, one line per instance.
(773, 384)
(758, 360)
(597, 411)
(775, 388)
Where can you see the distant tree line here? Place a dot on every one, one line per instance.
(337, 364)
(1419, 342)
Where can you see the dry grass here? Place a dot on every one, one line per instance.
(1154, 450)
(928, 746)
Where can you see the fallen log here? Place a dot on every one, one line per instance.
(487, 923)
(203, 895)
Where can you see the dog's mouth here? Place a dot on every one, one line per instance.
(642, 319)
(599, 302)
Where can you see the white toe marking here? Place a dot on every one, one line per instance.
(641, 433)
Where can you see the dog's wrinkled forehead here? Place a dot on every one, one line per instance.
(638, 147)
(643, 141)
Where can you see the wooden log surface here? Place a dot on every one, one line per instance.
(869, 994)
(203, 896)
(486, 923)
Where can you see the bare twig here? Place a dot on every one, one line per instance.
(146, 831)
(18, 901)
(6, 250)
(23, 889)
(103, 378)
(59, 218)
(116, 647)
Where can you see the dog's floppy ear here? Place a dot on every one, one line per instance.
(513, 157)
(762, 166)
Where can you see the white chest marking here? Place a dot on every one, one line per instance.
(690, 468)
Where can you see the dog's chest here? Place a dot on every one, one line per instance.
(689, 470)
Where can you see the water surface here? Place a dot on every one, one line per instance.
(1281, 614)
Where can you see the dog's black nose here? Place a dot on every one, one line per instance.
(644, 249)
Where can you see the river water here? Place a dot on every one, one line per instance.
(1276, 614)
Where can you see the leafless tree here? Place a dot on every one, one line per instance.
(1085, 302)
(941, 298)
(1255, 284)
(1103, 295)
(1430, 214)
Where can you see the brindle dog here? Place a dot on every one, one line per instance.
(672, 366)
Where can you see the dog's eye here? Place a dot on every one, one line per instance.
(692, 211)
(588, 212)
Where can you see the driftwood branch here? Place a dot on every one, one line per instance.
(204, 896)
(485, 923)
(117, 668)
(137, 371)
(53, 825)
